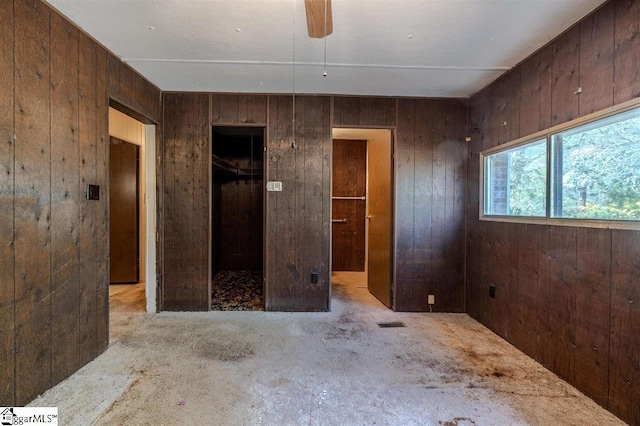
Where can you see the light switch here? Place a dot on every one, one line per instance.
(274, 186)
(93, 192)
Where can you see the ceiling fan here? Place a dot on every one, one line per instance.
(319, 21)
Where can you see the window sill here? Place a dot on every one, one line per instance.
(576, 223)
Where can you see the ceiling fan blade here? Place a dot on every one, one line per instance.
(319, 21)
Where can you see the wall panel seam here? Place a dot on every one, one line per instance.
(13, 237)
(50, 246)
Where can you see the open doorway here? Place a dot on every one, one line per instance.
(127, 213)
(237, 222)
(362, 210)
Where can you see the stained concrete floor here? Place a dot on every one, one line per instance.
(337, 368)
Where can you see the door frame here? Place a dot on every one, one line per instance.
(150, 199)
(394, 165)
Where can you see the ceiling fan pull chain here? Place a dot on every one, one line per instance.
(324, 71)
(293, 113)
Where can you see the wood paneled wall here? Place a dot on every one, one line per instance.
(430, 157)
(299, 217)
(140, 98)
(186, 155)
(54, 250)
(568, 297)
(430, 183)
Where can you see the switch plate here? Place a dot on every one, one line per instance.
(431, 299)
(492, 291)
(93, 192)
(314, 278)
(274, 186)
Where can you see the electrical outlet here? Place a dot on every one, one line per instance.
(314, 278)
(431, 299)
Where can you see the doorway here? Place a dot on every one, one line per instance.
(132, 186)
(237, 222)
(362, 210)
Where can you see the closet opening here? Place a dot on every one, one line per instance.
(237, 222)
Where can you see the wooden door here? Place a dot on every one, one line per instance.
(379, 277)
(123, 210)
(349, 204)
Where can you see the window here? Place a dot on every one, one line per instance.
(596, 170)
(516, 180)
(588, 172)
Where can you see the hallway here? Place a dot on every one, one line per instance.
(337, 368)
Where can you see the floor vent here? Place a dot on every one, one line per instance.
(392, 324)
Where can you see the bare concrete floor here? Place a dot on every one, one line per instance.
(337, 368)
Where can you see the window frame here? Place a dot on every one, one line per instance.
(546, 135)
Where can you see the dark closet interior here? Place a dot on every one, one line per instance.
(237, 218)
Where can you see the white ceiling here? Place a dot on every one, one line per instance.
(431, 48)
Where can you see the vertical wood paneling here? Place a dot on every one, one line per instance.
(422, 267)
(88, 209)
(406, 275)
(301, 209)
(474, 295)
(186, 201)
(298, 218)
(113, 79)
(546, 86)
(364, 111)
(315, 143)
(7, 157)
(52, 239)
(562, 291)
(501, 114)
(627, 45)
(170, 213)
(487, 234)
(565, 77)
(530, 88)
(453, 294)
(160, 209)
(284, 277)
(593, 285)
(624, 360)
(533, 289)
(596, 60)
(102, 216)
(509, 246)
(32, 200)
(490, 120)
(65, 198)
(238, 109)
(575, 300)
(430, 154)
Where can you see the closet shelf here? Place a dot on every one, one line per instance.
(222, 166)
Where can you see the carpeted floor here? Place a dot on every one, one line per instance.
(237, 291)
(315, 368)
